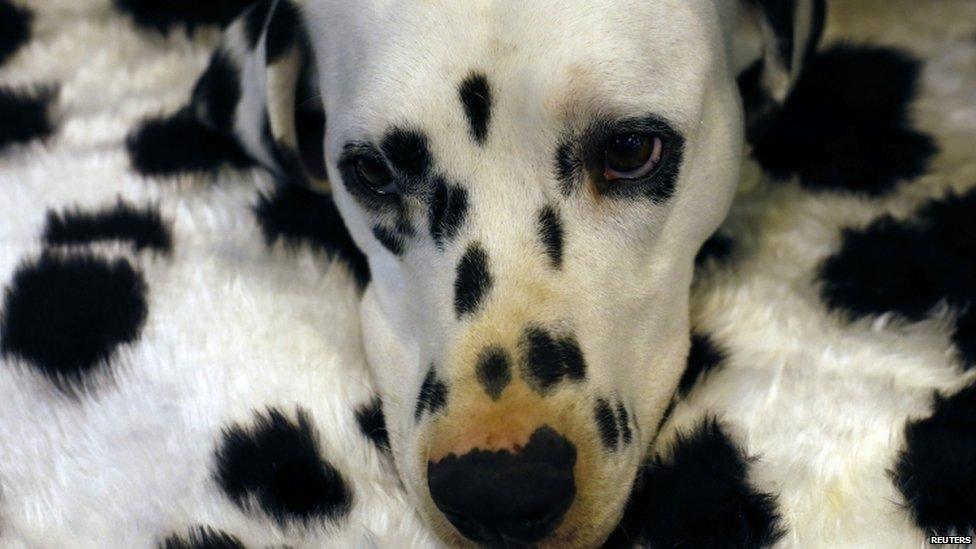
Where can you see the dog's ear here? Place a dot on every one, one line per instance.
(786, 33)
(261, 89)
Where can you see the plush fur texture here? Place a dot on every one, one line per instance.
(242, 347)
(25, 114)
(15, 28)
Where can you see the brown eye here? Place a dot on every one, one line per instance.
(631, 155)
(375, 175)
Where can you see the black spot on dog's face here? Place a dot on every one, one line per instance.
(284, 29)
(934, 471)
(551, 234)
(613, 424)
(606, 422)
(15, 28)
(473, 280)
(567, 166)
(408, 152)
(475, 93)
(846, 127)
(67, 316)
(142, 227)
(297, 215)
(202, 537)
(180, 143)
(704, 357)
(276, 464)
(780, 16)
(255, 21)
(549, 360)
(24, 115)
(310, 119)
(218, 92)
(626, 435)
(433, 395)
(698, 497)
(448, 208)
(390, 239)
(163, 16)
(494, 371)
(372, 423)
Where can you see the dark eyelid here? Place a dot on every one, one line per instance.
(653, 125)
(356, 149)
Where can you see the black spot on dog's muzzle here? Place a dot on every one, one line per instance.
(503, 497)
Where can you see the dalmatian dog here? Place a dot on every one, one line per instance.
(530, 183)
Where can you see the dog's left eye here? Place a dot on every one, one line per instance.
(631, 155)
(375, 175)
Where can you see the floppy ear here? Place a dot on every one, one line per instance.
(262, 90)
(787, 32)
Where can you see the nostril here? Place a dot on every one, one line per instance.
(500, 496)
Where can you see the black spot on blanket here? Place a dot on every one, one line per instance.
(935, 472)
(698, 497)
(372, 423)
(276, 464)
(846, 125)
(202, 537)
(25, 114)
(178, 143)
(964, 336)
(298, 215)
(163, 15)
(142, 227)
(15, 28)
(717, 249)
(67, 315)
(704, 357)
(908, 267)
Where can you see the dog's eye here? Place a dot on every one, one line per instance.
(631, 155)
(375, 175)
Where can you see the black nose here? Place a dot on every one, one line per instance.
(503, 497)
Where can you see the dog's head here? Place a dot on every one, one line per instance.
(530, 182)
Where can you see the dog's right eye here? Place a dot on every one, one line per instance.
(375, 175)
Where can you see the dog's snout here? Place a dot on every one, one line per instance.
(517, 496)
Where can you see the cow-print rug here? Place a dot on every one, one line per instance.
(181, 357)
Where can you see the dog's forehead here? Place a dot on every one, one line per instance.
(546, 61)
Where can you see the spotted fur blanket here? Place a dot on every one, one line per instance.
(181, 357)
